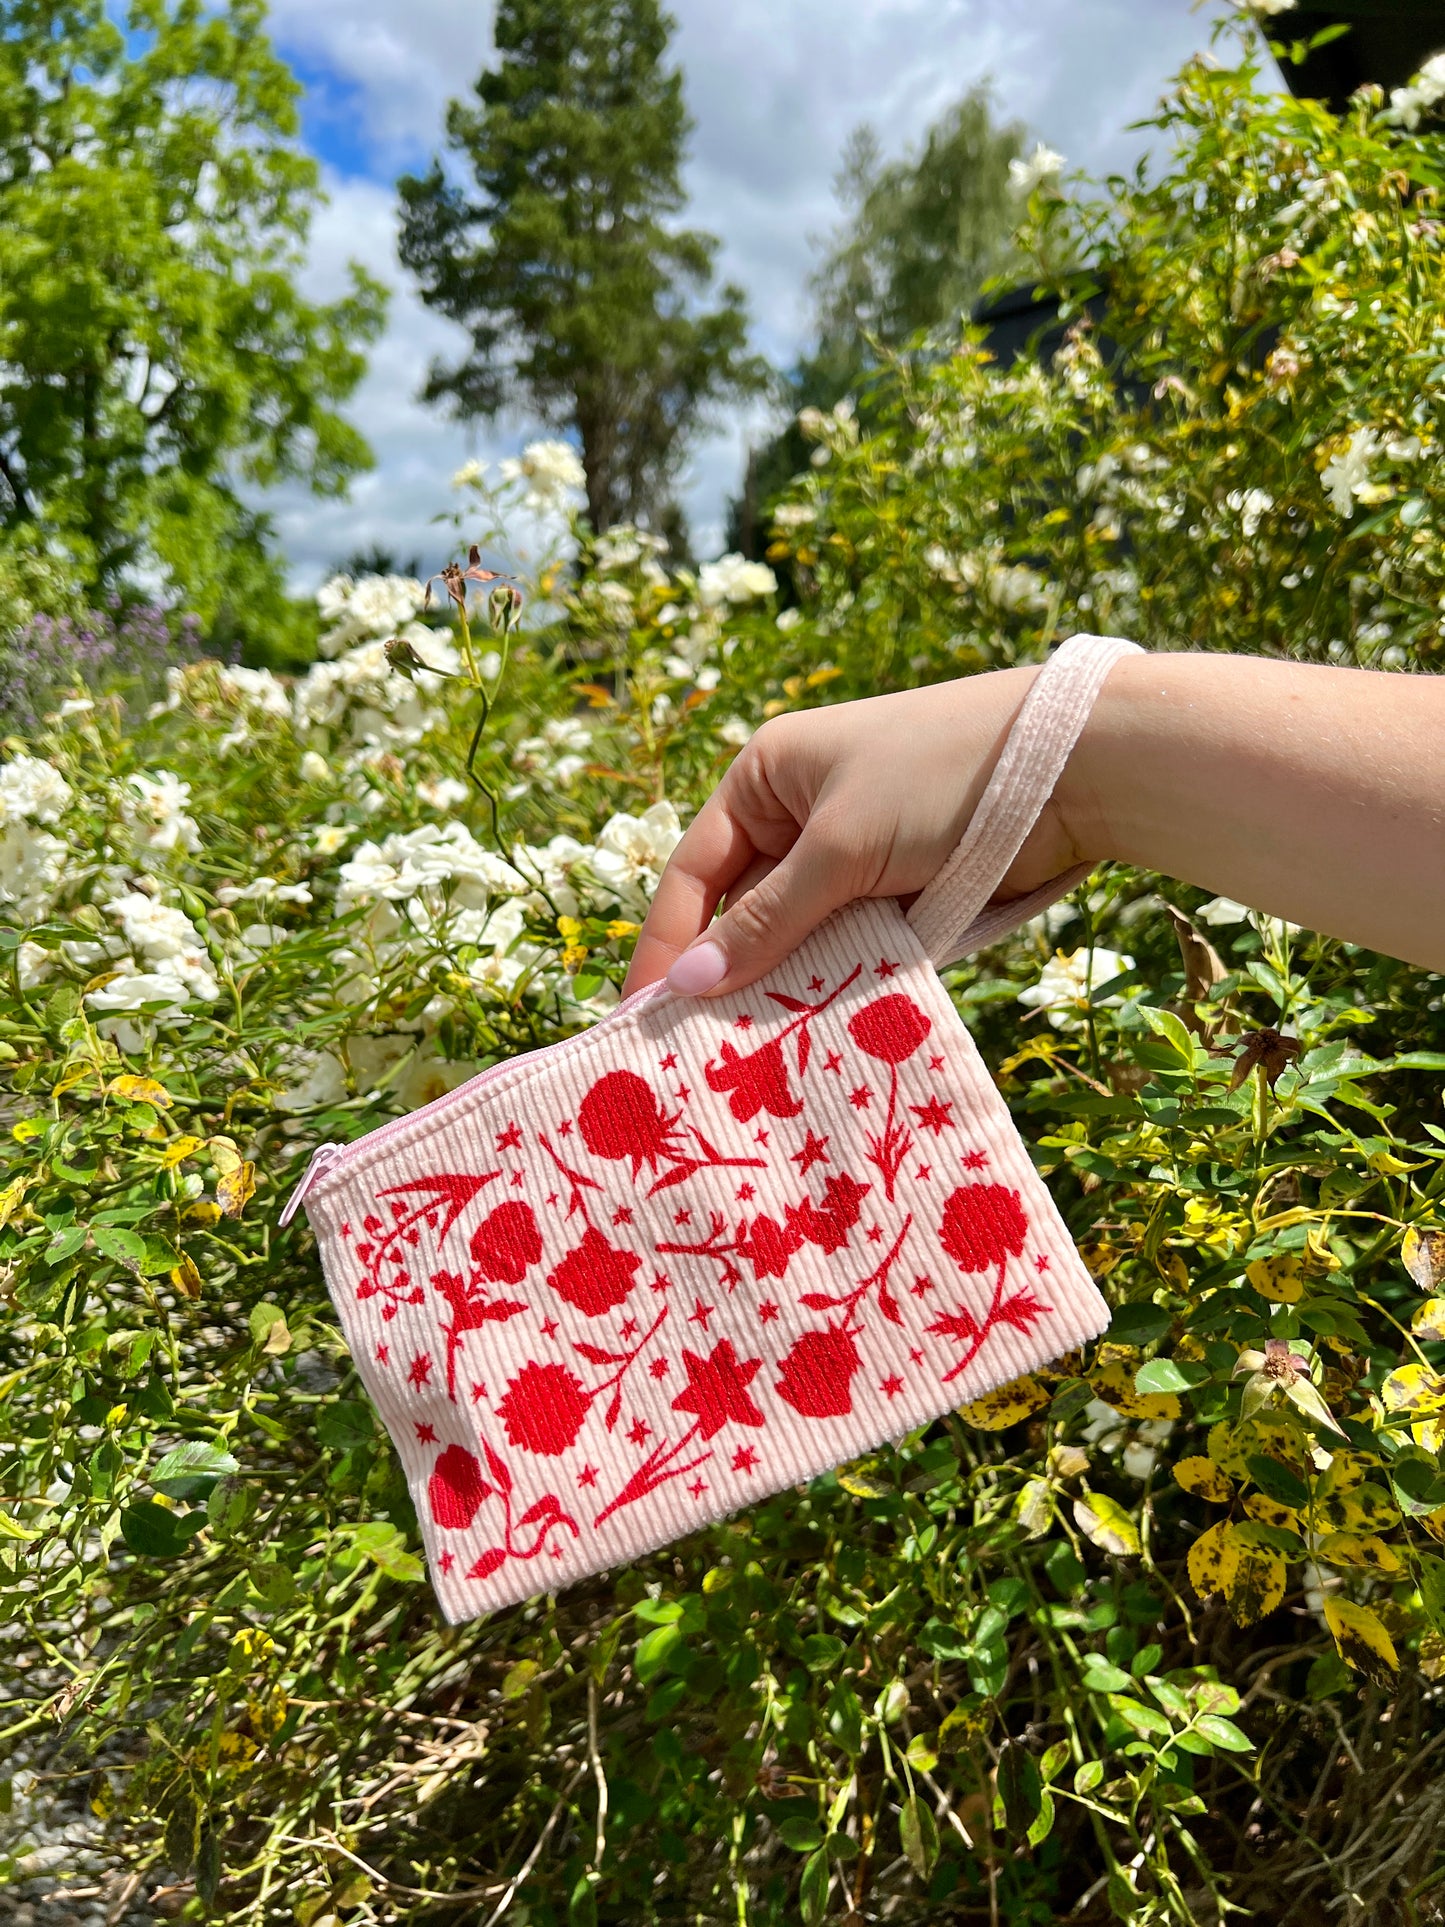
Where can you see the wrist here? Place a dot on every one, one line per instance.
(1091, 795)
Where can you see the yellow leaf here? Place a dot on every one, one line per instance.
(1345, 1471)
(1361, 1639)
(1413, 1388)
(178, 1150)
(1423, 1255)
(1354, 1549)
(186, 1278)
(139, 1090)
(202, 1211)
(1277, 1277)
(1434, 1523)
(1114, 1383)
(1362, 1508)
(1206, 1560)
(224, 1154)
(1250, 1577)
(862, 1481)
(1432, 1655)
(1107, 1524)
(1270, 1512)
(12, 1528)
(1005, 1405)
(10, 1197)
(1429, 1320)
(1204, 1479)
(233, 1190)
(267, 1712)
(1034, 1507)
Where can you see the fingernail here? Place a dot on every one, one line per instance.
(696, 970)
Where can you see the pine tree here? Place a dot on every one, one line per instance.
(580, 298)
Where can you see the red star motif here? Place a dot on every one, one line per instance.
(697, 1487)
(447, 1561)
(420, 1370)
(745, 1192)
(934, 1116)
(916, 1355)
(509, 1139)
(760, 1137)
(588, 1475)
(623, 1214)
(814, 1151)
(683, 1093)
(556, 1551)
(893, 1385)
(658, 1368)
(700, 1313)
(935, 1063)
(346, 1231)
(548, 1328)
(564, 1129)
(921, 1284)
(639, 1431)
(551, 1197)
(717, 1389)
(425, 1435)
(767, 1311)
(860, 1098)
(815, 983)
(744, 1459)
(479, 1390)
(1041, 1263)
(668, 1063)
(974, 1160)
(875, 1234)
(682, 1217)
(884, 968)
(629, 1328)
(519, 1178)
(833, 1062)
(744, 1022)
(923, 1173)
(383, 1354)
(662, 1282)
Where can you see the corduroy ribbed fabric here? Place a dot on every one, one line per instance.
(636, 1281)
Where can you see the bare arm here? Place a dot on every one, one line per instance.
(1314, 793)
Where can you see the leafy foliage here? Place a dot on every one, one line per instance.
(1153, 1635)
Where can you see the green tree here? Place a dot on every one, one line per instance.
(918, 239)
(581, 300)
(157, 358)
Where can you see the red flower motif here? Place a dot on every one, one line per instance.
(717, 1389)
(892, 1029)
(506, 1243)
(757, 1082)
(983, 1226)
(620, 1117)
(817, 1378)
(595, 1276)
(828, 1226)
(543, 1408)
(456, 1489)
(769, 1246)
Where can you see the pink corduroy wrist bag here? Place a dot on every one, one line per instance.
(628, 1284)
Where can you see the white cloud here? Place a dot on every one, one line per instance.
(774, 93)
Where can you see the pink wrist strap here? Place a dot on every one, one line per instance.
(953, 916)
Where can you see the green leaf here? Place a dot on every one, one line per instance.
(1101, 1677)
(1166, 1375)
(1165, 1024)
(156, 1533)
(192, 1468)
(654, 1652)
(1019, 1785)
(802, 1833)
(822, 1652)
(1139, 1324)
(918, 1831)
(1223, 1733)
(813, 1888)
(1277, 1482)
(126, 1248)
(64, 1244)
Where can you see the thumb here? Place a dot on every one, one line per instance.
(769, 921)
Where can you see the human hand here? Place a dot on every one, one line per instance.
(864, 799)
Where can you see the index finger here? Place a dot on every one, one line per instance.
(714, 852)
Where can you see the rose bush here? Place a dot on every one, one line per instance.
(1152, 1636)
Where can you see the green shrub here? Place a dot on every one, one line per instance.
(1151, 1636)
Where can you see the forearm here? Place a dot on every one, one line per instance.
(1313, 793)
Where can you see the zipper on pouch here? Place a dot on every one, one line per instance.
(326, 1156)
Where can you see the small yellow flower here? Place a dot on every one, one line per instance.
(620, 927)
(569, 929)
(574, 956)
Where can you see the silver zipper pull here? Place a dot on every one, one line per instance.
(320, 1160)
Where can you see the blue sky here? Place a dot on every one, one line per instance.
(774, 86)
